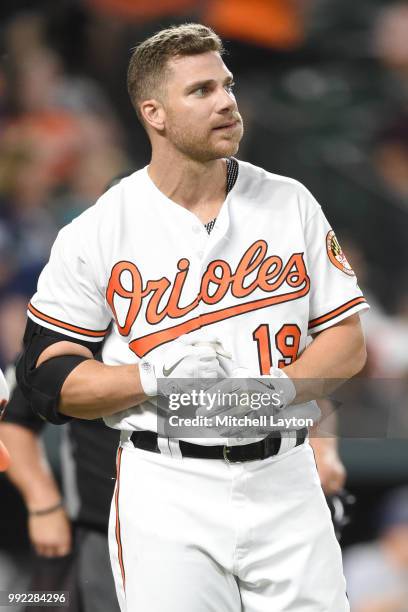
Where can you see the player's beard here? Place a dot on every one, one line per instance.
(204, 144)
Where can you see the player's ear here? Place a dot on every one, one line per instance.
(153, 113)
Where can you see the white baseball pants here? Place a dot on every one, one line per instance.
(199, 535)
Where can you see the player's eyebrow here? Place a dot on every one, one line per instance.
(208, 82)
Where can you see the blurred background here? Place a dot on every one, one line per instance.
(323, 89)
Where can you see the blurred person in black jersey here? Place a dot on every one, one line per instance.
(68, 532)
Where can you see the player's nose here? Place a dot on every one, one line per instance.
(225, 101)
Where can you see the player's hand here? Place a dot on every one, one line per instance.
(331, 470)
(189, 359)
(50, 534)
(248, 387)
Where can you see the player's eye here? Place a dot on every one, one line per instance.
(230, 87)
(201, 91)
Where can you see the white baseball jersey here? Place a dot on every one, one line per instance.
(270, 272)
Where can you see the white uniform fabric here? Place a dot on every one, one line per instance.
(137, 257)
(198, 535)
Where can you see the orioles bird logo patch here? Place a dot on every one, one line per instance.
(336, 255)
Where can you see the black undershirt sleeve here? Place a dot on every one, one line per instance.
(37, 338)
(41, 386)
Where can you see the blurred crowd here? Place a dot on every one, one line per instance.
(377, 571)
(323, 90)
(322, 86)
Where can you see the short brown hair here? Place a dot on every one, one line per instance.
(148, 62)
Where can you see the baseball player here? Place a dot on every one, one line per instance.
(209, 267)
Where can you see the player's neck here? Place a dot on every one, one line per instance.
(199, 187)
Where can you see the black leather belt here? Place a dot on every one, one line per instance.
(269, 446)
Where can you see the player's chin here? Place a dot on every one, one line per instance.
(226, 148)
(229, 145)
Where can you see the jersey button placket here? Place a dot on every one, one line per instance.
(200, 240)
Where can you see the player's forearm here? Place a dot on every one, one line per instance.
(334, 356)
(323, 441)
(29, 470)
(326, 428)
(323, 435)
(322, 445)
(94, 390)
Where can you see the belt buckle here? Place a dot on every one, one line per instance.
(225, 453)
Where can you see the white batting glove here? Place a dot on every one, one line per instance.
(277, 382)
(224, 358)
(276, 391)
(189, 357)
(283, 385)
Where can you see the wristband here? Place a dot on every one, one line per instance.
(148, 378)
(46, 510)
(285, 386)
